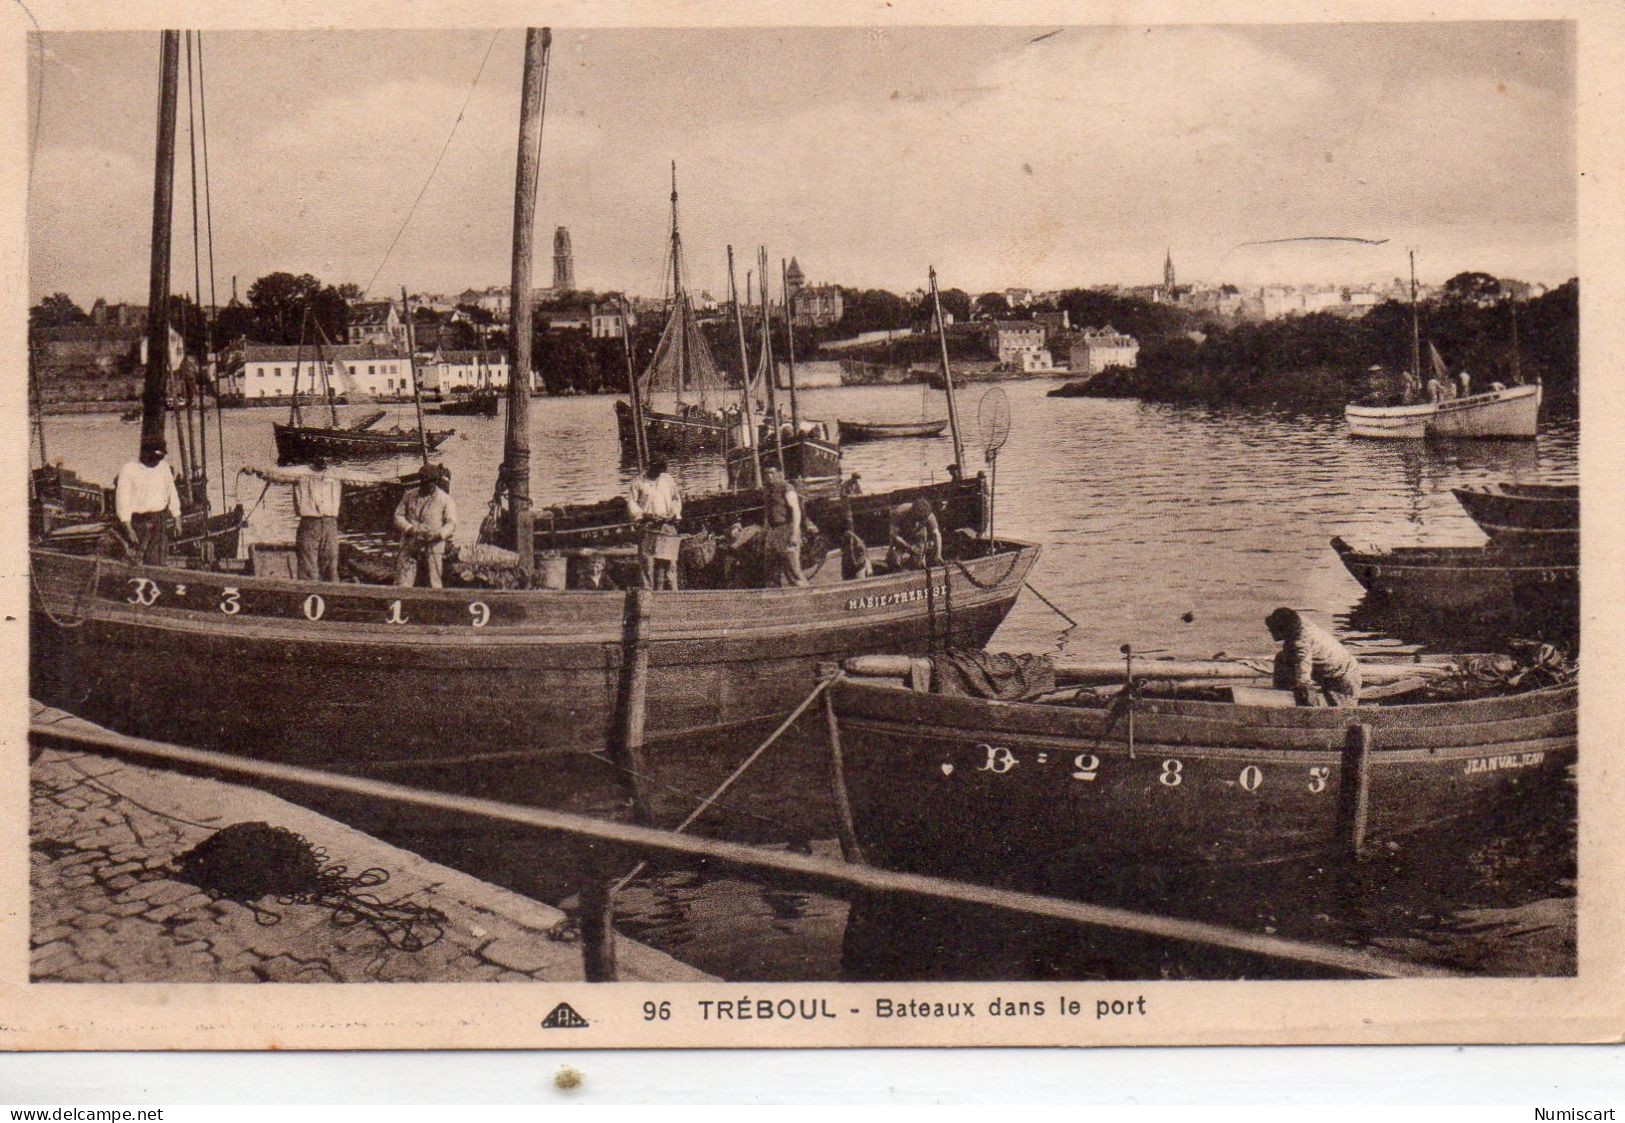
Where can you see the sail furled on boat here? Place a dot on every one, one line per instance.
(683, 363)
(1440, 371)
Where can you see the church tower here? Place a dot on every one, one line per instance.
(564, 267)
(795, 279)
(1168, 271)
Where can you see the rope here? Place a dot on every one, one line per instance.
(443, 149)
(89, 587)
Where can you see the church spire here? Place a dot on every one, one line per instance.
(1168, 271)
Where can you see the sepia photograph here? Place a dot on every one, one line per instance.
(895, 528)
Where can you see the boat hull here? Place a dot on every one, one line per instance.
(999, 792)
(324, 674)
(1548, 519)
(668, 433)
(295, 444)
(1509, 414)
(1483, 580)
(854, 431)
(807, 460)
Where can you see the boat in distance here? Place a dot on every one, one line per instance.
(1486, 580)
(1545, 515)
(1005, 792)
(299, 443)
(1510, 413)
(854, 431)
(365, 676)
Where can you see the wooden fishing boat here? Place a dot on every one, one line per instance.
(297, 444)
(696, 430)
(1002, 792)
(1546, 515)
(853, 431)
(810, 458)
(478, 403)
(1485, 580)
(1509, 413)
(361, 675)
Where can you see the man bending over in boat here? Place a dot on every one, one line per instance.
(426, 519)
(1311, 658)
(914, 536)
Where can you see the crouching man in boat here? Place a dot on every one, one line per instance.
(914, 536)
(317, 493)
(1309, 659)
(426, 519)
(147, 503)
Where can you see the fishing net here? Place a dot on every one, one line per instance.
(247, 862)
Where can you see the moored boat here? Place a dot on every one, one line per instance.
(853, 431)
(1000, 792)
(483, 402)
(1547, 515)
(296, 444)
(1484, 580)
(1510, 413)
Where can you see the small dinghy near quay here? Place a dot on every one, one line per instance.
(1544, 515)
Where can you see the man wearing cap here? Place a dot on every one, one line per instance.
(147, 502)
(317, 492)
(853, 486)
(914, 537)
(426, 519)
(656, 501)
(1310, 658)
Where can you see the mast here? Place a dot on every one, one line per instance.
(516, 445)
(154, 392)
(1517, 365)
(412, 373)
(947, 375)
(678, 303)
(770, 372)
(639, 437)
(1416, 327)
(790, 341)
(749, 426)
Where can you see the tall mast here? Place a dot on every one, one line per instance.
(1517, 365)
(749, 429)
(155, 392)
(634, 391)
(516, 445)
(947, 375)
(790, 340)
(770, 372)
(412, 373)
(1416, 327)
(678, 302)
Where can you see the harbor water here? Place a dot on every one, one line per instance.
(1171, 528)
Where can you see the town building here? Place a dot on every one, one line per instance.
(1054, 323)
(1018, 298)
(1095, 349)
(564, 266)
(609, 322)
(493, 299)
(364, 369)
(98, 361)
(795, 280)
(1036, 362)
(377, 322)
(1013, 338)
(818, 306)
(454, 372)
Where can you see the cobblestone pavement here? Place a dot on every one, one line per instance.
(106, 905)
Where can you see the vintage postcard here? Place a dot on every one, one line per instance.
(937, 525)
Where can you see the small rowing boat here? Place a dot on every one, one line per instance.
(1546, 515)
(1483, 580)
(852, 431)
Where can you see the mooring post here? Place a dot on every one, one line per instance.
(1354, 789)
(597, 927)
(844, 826)
(631, 705)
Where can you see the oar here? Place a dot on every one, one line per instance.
(1069, 672)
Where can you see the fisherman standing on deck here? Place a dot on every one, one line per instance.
(317, 492)
(146, 502)
(426, 519)
(656, 499)
(1466, 381)
(782, 525)
(1310, 658)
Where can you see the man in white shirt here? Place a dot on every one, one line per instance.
(147, 502)
(317, 493)
(656, 500)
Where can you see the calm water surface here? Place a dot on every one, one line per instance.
(1174, 528)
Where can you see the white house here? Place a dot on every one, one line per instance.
(607, 321)
(1036, 362)
(375, 321)
(1099, 348)
(1013, 338)
(450, 372)
(356, 369)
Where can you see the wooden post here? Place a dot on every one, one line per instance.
(1354, 789)
(631, 704)
(155, 392)
(844, 826)
(516, 445)
(597, 930)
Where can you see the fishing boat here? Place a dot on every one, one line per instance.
(1503, 412)
(1204, 774)
(1483, 580)
(682, 365)
(854, 431)
(374, 678)
(483, 402)
(1546, 515)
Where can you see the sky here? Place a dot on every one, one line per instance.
(1002, 156)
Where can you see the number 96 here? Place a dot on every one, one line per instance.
(657, 1011)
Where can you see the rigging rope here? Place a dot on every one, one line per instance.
(437, 160)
